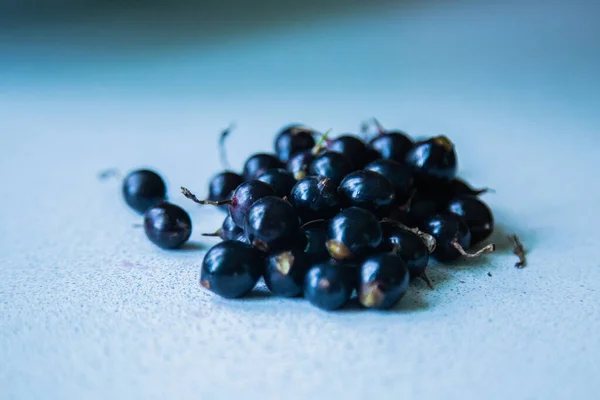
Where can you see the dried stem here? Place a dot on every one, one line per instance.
(214, 234)
(193, 197)
(425, 237)
(518, 250)
(487, 249)
(222, 151)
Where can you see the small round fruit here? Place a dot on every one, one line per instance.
(476, 214)
(316, 236)
(285, 272)
(329, 286)
(299, 163)
(334, 166)
(142, 189)
(383, 281)
(398, 174)
(272, 224)
(228, 230)
(281, 179)
(293, 139)
(352, 234)
(231, 269)
(392, 145)
(408, 245)
(244, 197)
(222, 185)
(369, 190)
(315, 197)
(448, 229)
(168, 226)
(353, 148)
(433, 159)
(260, 163)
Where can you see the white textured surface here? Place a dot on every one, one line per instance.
(90, 309)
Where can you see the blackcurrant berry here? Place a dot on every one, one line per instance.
(168, 226)
(334, 166)
(285, 272)
(293, 139)
(409, 246)
(353, 148)
(398, 174)
(231, 269)
(449, 231)
(383, 281)
(228, 230)
(316, 236)
(260, 163)
(476, 214)
(329, 285)
(353, 234)
(271, 224)
(315, 198)
(222, 185)
(369, 190)
(142, 189)
(433, 159)
(389, 145)
(282, 181)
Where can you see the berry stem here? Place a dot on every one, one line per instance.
(193, 197)
(425, 237)
(222, 150)
(487, 249)
(319, 145)
(518, 250)
(378, 125)
(214, 234)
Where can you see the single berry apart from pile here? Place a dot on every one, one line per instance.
(231, 269)
(329, 164)
(409, 246)
(293, 139)
(272, 224)
(383, 281)
(260, 163)
(282, 181)
(353, 148)
(228, 230)
(329, 285)
(316, 236)
(315, 198)
(476, 214)
(142, 189)
(168, 226)
(352, 234)
(285, 272)
(398, 174)
(369, 190)
(241, 200)
(433, 160)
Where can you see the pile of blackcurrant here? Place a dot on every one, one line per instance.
(328, 219)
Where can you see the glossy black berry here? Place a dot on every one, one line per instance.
(448, 230)
(352, 234)
(316, 236)
(228, 230)
(383, 281)
(285, 272)
(168, 226)
(433, 159)
(244, 197)
(315, 197)
(222, 185)
(392, 145)
(142, 189)
(299, 163)
(293, 139)
(408, 245)
(328, 285)
(476, 214)
(369, 190)
(329, 164)
(231, 269)
(353, 148)
(281, 179)
(260, 163)
(422, 206)
(398, 174)
(271, 224)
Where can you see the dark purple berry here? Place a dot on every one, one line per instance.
(476, 214)
(383, 281)
(433, 160)
(449, 230)
(293, 139)
(334, 166)
(222, 185)
(353, 148)
(285, 272)
(282, 181)
(352, 234)
(398, 174)
(260, 163)
(142, 189)
(271, 224)
(329, 286)
(369, 190)
(315, 198)
(168, 226)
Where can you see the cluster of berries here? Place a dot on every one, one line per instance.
(328, 218)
